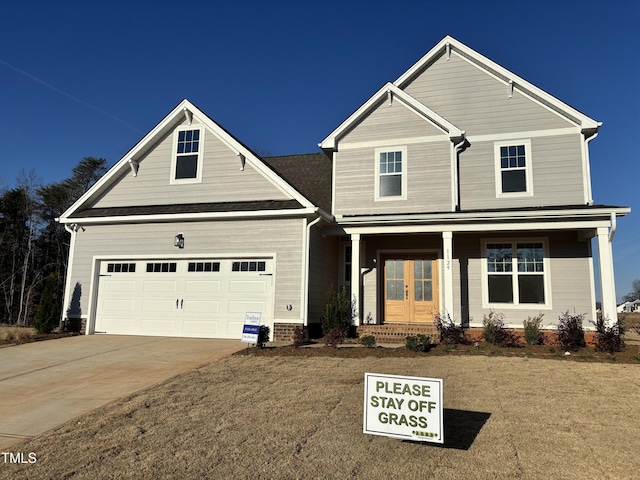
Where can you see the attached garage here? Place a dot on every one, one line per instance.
(183, 297)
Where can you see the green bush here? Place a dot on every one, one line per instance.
(532, 333)
(570, 332)
(495, 331)
(450, 333)
(609, 339)
(368, 340)
(338, 311)
(418, 343)
(49, 312)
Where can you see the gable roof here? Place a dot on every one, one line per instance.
(391, 91)
(308, 173)
(449, 44)
(167, 124)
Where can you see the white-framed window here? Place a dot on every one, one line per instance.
(513, 168)
(186, 161)
(391, 173)
(516, 273)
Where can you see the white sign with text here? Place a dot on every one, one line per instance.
(251, 327)
(403, 407)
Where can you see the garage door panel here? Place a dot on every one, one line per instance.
(247, 286)
(205, 307)
(243, 306)
(116, 325)
(209, 328)
(156, 326)
(119, 286)
(157, 306)
(201, 286)
(234, 329)
(160, 286)
(118, 306)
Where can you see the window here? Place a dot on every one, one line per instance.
(166, 267)
(391, 178)
(203, 267)
(248, 266)
(186, 164)
(516, 273)
(513, 168)
(121, 267)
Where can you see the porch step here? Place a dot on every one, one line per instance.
(397, 333)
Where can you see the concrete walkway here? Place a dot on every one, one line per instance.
(44, 384)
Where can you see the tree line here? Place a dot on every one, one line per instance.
(35, 248)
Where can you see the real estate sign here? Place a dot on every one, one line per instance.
(251, 327)
(403, 407)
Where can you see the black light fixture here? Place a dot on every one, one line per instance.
(178, 241)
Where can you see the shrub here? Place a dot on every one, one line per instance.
(368, 340)
(450, 333)
(570, 332)
(298, 336)
(263, 336)
(49, 312)
(609, 339)
(338, 311)
(532, 333)
(335, 337)
(418, 343)
(495, 331)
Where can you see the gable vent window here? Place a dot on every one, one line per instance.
(391, 173)
(187, 160)
(166, 267)
(513, 169)
(248, 266)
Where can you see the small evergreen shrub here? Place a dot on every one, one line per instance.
(532, 332)
(338, 311)
(609, 339)
(570, 332)
(263, 336)
(368, 340)
(335, 337)
(298, 336)
(418, 343)
(49, 312)
(495, 331)
(450, 333)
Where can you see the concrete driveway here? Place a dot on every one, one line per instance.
(44, 384)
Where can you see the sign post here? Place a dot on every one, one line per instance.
(251, 327)
(410, 408)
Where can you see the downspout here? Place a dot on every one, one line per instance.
(457, 148)
(588, 166)
(307, 259)
(614, 225)
(73, 230)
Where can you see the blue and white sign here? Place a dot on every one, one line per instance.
(403, 407)
(251, 327)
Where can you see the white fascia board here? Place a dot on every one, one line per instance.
(192, 217)
(524, 86)
(330, 142)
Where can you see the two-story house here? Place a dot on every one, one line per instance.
(458, 189)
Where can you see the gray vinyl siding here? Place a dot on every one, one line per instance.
(282, 237)
(323, 271)
(556, 163)
(428, 166)
(222, 179)
(570, 278)
(389, 122)
(477, 102)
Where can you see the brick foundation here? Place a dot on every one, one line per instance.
(75, 325)
(284, 332)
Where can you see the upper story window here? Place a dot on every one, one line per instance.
(391, 173)
(513, 168)
(186, 164)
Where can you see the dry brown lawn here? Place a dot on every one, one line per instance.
(276, 417)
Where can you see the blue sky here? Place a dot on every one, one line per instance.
(88, 78)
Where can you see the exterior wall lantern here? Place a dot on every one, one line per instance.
(178, 241)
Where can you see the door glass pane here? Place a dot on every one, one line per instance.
(417, 290)
(428, 290)
(427, 269)
(399, 289)
(400, 269)
(390, 269)
(417, 269)
(391, 291)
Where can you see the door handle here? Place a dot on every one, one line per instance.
(406, 292)
(176, 303)
(181, 302)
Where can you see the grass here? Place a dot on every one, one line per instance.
(15, 335)
(286, 417)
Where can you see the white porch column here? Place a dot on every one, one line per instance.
(447, 274)
(607, 280)
(356, 279)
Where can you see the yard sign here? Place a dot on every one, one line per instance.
(251, 327)
(403, 407)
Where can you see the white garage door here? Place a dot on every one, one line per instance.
(183, 298)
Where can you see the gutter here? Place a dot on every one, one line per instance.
(305, 277)
(614, 225)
